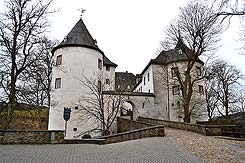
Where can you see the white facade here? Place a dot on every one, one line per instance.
(168, 104)
(77, 63)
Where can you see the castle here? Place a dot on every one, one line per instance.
(81, 66)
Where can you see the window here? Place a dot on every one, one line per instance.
(76, 107)
(99, 85)
(198, 71)
(59, 60)
(129, 87)
(148, 76)
(107, 68)
(178, 105)
(174, 71)
(179, 51)
(107, 81)
(176, 90)
(149, 91)
(144, 80)
(99, 64)
(201, 90)
(57, 83)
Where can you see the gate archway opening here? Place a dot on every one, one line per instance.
(127, 109)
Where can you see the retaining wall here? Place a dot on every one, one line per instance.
(124, 125)
(155, 131)
(209, 130)
(31, 137)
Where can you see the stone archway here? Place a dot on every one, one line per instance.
(127, 109)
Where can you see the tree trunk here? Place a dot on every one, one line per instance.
(12, 101)
(187, 118)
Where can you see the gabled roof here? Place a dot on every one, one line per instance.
(179, 53)
(79, 36)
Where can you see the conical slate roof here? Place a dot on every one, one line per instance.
(79, 36)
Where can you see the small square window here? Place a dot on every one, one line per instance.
(59, 60)
(57, 83)
(99, 63)
(107, 68)
(174, 71)
(107, 81)
(176, 90)
(201, 90)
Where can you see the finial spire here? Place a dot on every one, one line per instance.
(179, 35)
(82, 11)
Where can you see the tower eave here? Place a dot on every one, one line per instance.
(76, 45)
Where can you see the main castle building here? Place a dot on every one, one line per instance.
(153, 93)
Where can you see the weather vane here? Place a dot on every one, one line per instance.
(82, 11)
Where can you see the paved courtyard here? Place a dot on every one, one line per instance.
(147, 150)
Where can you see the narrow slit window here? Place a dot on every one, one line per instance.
(198, 71)
(201, 90)
(107, 81)
(59, 60)
(99, 63)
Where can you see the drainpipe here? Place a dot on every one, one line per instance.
(168, 96)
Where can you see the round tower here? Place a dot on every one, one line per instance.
(76, 58)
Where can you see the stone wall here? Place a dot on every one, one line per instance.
(155, 131)
(124, 125)
(209, 130)
(31, 137)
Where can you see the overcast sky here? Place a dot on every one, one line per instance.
(129, 31)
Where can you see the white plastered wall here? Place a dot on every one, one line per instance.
(77, 62)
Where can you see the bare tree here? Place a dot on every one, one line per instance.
(35, 89)
(199, 31)
(240, 99)
(21, 27)
(97, 107)
(225, 77)
(211, 96)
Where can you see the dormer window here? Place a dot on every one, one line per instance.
(180, 52)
